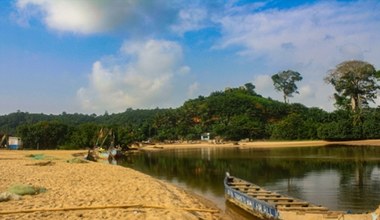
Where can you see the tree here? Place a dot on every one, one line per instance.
(355, 83)
(250, 88)
(84, 135)
(371, 129)
(285, 82)
(44, 134)
(291, 127)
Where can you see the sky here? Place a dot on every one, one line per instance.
(97, 56)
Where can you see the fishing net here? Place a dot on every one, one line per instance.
(36, 156)
(40, 157)
(23, 189)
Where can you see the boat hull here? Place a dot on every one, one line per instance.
(254, 206)
(266, 204)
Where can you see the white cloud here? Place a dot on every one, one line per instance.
(264, 85)
(190, 19)
(312, 94)
(193, 89)
(305, 34)
(315, 94)
(185, 70)
(96, 16)
(306, 92)
(78, 15)
(146, 75)
(310, 39)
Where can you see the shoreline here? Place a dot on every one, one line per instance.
(95, 190)
(259, 144)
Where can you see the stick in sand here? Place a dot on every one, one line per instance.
(105, 207)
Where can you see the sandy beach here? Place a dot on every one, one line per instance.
(101, 191)
(262, 144)
(85, 190)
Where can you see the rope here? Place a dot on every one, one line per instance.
(104, 207)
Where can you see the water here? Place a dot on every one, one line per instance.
(338, 177)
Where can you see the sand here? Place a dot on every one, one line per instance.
(102, 191)
(92, 187)
(261, 144)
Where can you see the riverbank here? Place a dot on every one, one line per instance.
(101, 191)
(91, 190)
(261, 144)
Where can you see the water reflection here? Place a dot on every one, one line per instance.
(341, 178)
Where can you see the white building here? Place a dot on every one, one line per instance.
(14, 143)
(205, 137)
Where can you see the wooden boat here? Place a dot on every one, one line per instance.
(103, 155)
(266, 204)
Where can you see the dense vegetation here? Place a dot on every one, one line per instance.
(233, 114)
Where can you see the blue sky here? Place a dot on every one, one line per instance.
(92, 56)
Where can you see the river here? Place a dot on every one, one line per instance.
(338, 177)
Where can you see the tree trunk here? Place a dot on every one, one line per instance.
(355, 104)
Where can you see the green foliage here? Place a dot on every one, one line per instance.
(285, 82)
(9, 123)
(355, 83)
(370, 126)
(290, 128)
(240, 127)
(43, 135)
(341, 127)
(84, 135)
(233, 114)
(336, 130)
(300, 123)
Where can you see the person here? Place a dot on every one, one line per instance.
(111, 155)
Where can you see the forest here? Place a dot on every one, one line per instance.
(233, 114)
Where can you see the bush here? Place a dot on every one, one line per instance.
(341, 130)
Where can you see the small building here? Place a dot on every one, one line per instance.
(14, 143)
(205, 137)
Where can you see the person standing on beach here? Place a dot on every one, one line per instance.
(112, 154)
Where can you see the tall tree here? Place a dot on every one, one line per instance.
(355, 83)
(250, 88)
(285, 82)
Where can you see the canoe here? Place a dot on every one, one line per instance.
(263, 203)
(101, 154)
(266, 204)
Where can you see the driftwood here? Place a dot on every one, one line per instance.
(105, 207)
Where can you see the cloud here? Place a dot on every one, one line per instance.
(144, 75)
(190, 19)
(310, 39)
(313, 33)
(193, 89)
(133, 17)
(97, 16)
(310, 94)
(264, 85)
